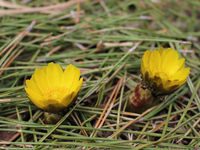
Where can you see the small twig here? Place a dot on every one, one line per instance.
(160, 125)
(197, 122)
(5, 100)
(105, 7)
(184, 42)
(52, 51)
(78, 12)
(60, 35)
(20, 36)
(131, 122)
(187, 51)
(78, 123)
(15, 42)
(134, 47)
(99, 122)
(118, 44)
(60, 6)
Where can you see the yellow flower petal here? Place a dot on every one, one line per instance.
(60, 70)
(178, 65)
(182, 63)
(161, 50)
(69, 97)
(78, 85)
(146, 57)
(68, 76)
(154, 60)
(170, 60)
(76, 79)
(44, 68)
(145, 62)
(32, 85)
(53, 76)
(35, 97)
(41, 79)
(181, 74)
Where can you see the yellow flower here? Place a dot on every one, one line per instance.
(53, 89)
(163, 71)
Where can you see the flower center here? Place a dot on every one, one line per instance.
(160, 72)
(54, 93)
